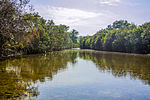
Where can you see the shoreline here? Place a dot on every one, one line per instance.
(88, 50)
(118, 53)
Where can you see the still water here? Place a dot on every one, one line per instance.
(76, 75)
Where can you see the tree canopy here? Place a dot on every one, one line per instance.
(22, 32)
(121, 36)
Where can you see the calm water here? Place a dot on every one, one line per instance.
(76, 75)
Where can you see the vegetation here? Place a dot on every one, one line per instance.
(74, 37)
(121, 36)
(23, 33)
(46, 35)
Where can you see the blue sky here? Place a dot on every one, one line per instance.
(89, 16)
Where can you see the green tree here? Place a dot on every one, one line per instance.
(121, 36)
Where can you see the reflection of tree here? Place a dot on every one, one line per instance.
(12, 86)
(136, 66)
(17, 76)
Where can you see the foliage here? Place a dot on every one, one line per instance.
(121, 36)
(22, 32)
(11, 25)
(46, 35)
(74, 37)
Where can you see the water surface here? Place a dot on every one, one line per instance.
(76, 75)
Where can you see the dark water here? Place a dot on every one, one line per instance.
(76, 75)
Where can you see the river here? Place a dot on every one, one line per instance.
(76, 75)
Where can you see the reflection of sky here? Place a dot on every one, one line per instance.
(83, 81)
(88, 16)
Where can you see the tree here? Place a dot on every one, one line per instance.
(121, 36)
(74, 35)
(23, 33)
(11, 25)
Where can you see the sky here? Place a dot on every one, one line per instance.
(89, 16)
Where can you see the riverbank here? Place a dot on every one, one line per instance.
(10, 56)
(81, 50)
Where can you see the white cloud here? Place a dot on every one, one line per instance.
(110, 2)
(88, 16)
(66, 15)
(86, 22)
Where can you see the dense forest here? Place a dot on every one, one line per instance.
(121, 36)
(22, 32)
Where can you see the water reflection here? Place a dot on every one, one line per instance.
(18, 77)
(121, 65)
